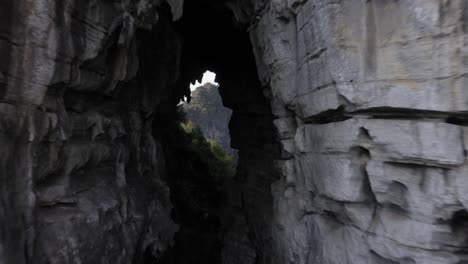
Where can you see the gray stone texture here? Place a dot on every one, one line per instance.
(80, 171)
(371, 101)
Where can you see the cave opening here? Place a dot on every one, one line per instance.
(205, 111)
(222, 218)
(208, 77)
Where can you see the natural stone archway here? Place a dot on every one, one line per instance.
(349, 118)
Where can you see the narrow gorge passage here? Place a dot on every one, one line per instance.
(349, 118)
(233, 229)
(109, 176)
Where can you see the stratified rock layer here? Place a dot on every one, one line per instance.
(371, 101)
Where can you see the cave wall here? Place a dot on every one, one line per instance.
(80, 170)
(350, 126)
(370, 101)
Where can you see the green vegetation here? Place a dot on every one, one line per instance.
(192, 149)
(210, 152)
(207, 111)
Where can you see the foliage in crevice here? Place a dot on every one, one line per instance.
(212, 153)
(197, 170)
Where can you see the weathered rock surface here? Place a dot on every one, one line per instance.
(371, 101)
(352, 139)
(80, 170)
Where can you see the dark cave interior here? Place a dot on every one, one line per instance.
(214, 214)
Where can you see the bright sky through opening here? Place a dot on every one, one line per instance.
(208, 77)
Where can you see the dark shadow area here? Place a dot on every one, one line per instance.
(221, 217)
(195, 193)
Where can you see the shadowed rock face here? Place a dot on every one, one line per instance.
(80, 171)
(349, 118)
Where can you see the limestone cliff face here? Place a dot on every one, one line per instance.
(371, 100)
(206, 110)
(80, 170)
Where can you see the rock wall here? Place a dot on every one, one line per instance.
(371, 100)
(368, 99)
(80, 170)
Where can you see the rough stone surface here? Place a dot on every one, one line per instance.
(80, 170)
(371, 101)
(352, 139)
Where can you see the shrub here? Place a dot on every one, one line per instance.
(211, 153)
